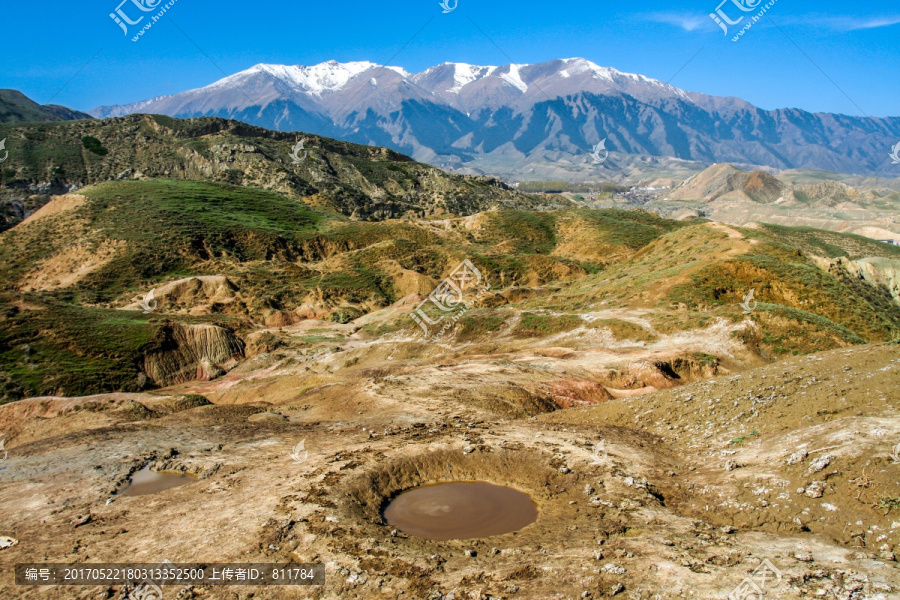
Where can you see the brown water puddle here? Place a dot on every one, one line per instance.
(460, 511)
(146, 482)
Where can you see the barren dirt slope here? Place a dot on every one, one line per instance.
(688, 491)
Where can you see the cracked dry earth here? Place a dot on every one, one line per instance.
(644, 492)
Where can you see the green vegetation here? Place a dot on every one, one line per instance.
(739, 441)
(478, 324)
(193, 207)
(624, 330)
(536, 325)
(94, 145)
(795, 331)
(72, 348)
(888, 503)
(345, 314)
(338, 177)
(632, 229)
(528, 232)
(847, 308)
(164, 227)
(706, 359)
(559, 187)
(824, 243)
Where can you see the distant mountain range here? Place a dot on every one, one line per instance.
(17, 107)
(514, 117)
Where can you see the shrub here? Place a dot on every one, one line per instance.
(94, 145)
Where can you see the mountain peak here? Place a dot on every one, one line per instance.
(328, 76)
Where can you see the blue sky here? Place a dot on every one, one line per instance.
(817, 55)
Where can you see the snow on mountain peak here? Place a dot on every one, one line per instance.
(514, 78)
(464, 74)
(332, 76)
(575, 66)
(263, 83)
(329, 76)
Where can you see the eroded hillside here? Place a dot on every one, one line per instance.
(249, 265)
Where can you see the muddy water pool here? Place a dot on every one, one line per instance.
(460, 510)
(145, 482)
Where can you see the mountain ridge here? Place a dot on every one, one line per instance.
(360, 182)
(17, 107)
(518, 115)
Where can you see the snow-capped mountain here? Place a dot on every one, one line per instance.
(453, 113)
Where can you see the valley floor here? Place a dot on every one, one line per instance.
(674, 493)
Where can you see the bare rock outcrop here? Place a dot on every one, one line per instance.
(877, 272)
(192, 352)
(567, 393)
(194, 295)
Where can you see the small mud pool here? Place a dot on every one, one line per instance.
(460, 511)
(146, 482)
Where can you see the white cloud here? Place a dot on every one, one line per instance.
(839, 23)
(687, 21)
(856, 23)
(696, 22)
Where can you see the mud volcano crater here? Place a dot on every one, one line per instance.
(460, 510)
(437, 496)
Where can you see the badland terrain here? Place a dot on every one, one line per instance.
(681, 398)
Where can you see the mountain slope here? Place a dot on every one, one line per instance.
(358, 181)
(721, 180)
(16, 106)
(237, 272)
(237, 260)
(520, 116)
